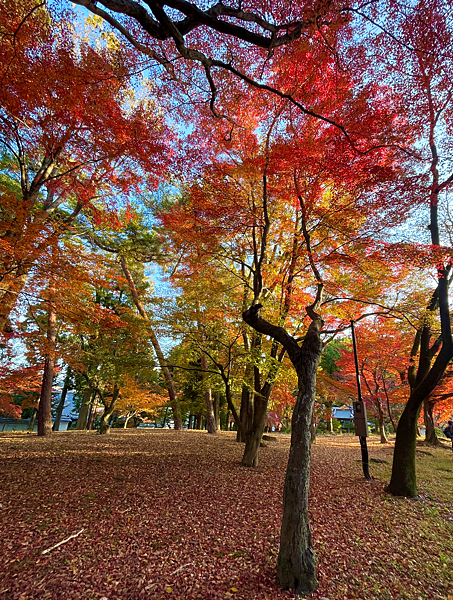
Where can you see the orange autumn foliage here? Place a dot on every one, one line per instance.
(74, 138)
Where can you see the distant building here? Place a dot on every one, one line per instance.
(343, 413)
(22, 424)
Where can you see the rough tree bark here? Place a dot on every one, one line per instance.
(403, 481)
(256, 412)
(296, 566)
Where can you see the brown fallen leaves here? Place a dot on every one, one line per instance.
(174, 515)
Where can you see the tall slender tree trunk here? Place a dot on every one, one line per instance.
(257, 421)
(389, 410)
(64, 391)
(210, 418)
(403, 481)
(169, 383)
(384, 439)
(45, 400)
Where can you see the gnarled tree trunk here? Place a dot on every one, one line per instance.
(403, 481)
(108, 412)
(296, 566)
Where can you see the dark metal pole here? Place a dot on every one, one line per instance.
(362, 438)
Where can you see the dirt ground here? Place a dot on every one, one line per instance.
(164, 514)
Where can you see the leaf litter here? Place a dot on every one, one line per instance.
(174, 515)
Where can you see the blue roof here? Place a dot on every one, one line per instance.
(342, 413)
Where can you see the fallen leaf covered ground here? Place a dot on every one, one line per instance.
(173, 515)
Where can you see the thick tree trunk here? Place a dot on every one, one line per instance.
(64, 391)
(45, 400)
(431, 438)
(296, 560)
(108, 412)
(403, 481)
(253, 436)
(84, 409)
(296, 567)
